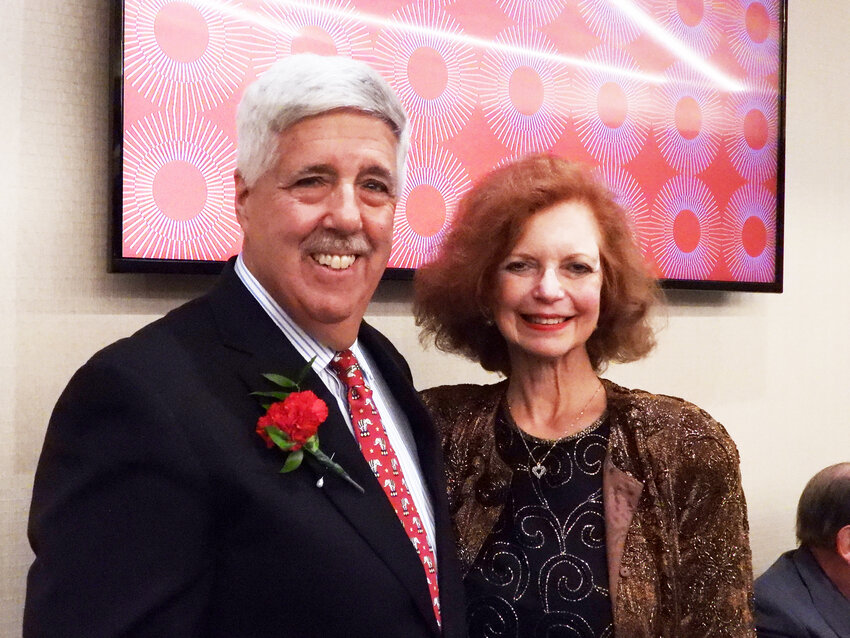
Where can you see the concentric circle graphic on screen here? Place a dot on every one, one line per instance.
(607, 22)
(753, 124)
(612, 106)
(697, 24)
(632, 198)
(523, 90)
(185, 53)
(690, 117)
(687, 229)
(178, 187)
(325, 27)
(431, 69)
(435, 182)
(532, 13)
(750, 239)
(754, 35)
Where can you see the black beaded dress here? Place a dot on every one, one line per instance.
(542, 572)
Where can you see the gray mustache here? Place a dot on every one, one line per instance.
(327, 241)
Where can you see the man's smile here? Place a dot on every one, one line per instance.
(334, 262)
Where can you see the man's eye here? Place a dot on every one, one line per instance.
(308, 182)
(376, 186)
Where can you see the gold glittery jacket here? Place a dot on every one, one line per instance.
(675, 518)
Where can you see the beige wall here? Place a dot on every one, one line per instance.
(772, 368)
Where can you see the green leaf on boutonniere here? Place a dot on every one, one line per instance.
(312, 444)
(280, 439)
(293, 461)
(304, 371)
(280, 396)
(280, 380)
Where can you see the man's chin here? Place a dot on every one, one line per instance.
(334, 324)
(337, 293)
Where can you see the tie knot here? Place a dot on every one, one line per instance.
(345, 365)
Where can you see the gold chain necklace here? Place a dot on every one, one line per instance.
(537, 469)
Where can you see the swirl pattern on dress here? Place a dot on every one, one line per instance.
(543, 569)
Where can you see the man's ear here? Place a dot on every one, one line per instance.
(242, 191)
(842, 543)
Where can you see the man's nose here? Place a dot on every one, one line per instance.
(549, 286)
(344, 212)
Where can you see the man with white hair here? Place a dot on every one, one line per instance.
(806, 592)
(159, 506)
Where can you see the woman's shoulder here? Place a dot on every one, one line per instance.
(670, 433)
(657, 413)
(466, 403)
(445, 400)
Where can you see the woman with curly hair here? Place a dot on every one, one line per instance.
(581, 508)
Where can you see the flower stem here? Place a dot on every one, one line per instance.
(326, 461)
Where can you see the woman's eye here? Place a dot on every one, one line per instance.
(517, 266)
(579, 268)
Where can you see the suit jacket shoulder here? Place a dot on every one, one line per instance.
(794, 598)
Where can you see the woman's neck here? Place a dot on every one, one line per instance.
(554, 399)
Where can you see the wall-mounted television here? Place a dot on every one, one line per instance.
(678, 104)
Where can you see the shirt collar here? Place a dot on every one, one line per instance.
(306, 345)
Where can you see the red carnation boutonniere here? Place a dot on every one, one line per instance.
(292, 422)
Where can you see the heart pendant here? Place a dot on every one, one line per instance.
(538, 470)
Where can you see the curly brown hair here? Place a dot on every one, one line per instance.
(453, 293)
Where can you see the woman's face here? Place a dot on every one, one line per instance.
(546, 302)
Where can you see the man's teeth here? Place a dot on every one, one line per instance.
(546, 320)
(335, 262)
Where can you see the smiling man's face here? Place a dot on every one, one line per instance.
(318, 224)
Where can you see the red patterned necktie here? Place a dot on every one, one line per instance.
(376, 448)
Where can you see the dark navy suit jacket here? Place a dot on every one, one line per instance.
(158, 511)
(794, 598)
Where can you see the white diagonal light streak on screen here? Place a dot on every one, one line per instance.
(677, 47)
(462, 38)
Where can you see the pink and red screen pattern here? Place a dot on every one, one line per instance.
(674, 102)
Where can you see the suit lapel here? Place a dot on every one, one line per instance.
(247, 328)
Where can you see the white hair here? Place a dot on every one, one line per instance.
(305, 85)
